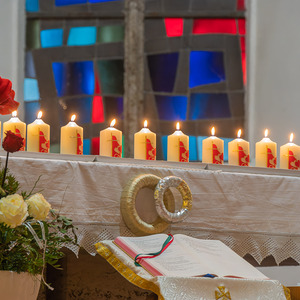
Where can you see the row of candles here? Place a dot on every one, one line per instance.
(71, 142)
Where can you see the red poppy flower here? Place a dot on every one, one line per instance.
(12, 142)
(7, 95)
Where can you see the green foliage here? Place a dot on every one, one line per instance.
(11, 185)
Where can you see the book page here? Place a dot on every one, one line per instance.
(222, 260)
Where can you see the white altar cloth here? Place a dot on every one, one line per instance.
(190, 288)
(251, 213)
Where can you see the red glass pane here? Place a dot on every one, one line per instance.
(97, 84)
(240, 4)
(207, 26)
(98, 111)
(242, 26)
(174, 26)
(243, 54)
(95, 145)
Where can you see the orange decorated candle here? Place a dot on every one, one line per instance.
(178, 146)
(38, 135)
(111, 141)
(71, 138)
(290, 155)
(266, 152)
(213, 149)
(15, 125)
(145, 144)
(238, 151)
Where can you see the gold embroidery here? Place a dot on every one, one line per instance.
(222, 293)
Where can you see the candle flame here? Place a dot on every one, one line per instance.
(239, 133)
(112, 123)
(73, 118)
(266, 132)
(177, 126)
(213, 131)
(40, 114)
(145, 124)
(14, 113)
(291, 137)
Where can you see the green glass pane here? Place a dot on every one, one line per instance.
(110, 34)
(111, 76)
(33, 34)
(55, 148)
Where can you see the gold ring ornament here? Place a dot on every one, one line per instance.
(163, 185)
(128, 209)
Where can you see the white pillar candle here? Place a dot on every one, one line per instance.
(266, 152)
(178, 146)
(238, 151)
(38, 135)
(145, 144)
(71, 138)
(213, 149)
(290, 155)
(111, 141)
(15, 125)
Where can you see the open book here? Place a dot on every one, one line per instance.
(188, 256)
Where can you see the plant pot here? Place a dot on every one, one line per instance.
(23, 286)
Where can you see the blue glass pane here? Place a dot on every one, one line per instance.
(193, 148)
(31, 111)
(206, 67)
(86, 147)
(171, 107)
(81, 107)
(226, 141)
(52, 38)
(97, 1)
(199, 146)
(32, 5)
(111, 75)
(68, 2)
(113, 107)
(163, 69)
(204, 106)
(82, 36)
(31, 89)
(74, 78)
(29, 65)
(164, 142)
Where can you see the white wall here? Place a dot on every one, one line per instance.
(273, 70)
(12, 44)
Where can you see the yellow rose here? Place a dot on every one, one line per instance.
(13, 210)
(38, 207)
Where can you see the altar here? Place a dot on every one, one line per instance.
(252, 210)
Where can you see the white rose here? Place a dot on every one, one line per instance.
(38, 207)
(13, 210)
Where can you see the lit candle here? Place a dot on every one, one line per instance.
(290, 155)
(111, 141)
(213, 149)
(71, 138)
(266, 152)
(15, 125)
(238, 151)
(145, 144)
(178, 146)
(38, 135)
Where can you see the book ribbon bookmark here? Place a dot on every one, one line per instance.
(165, 245)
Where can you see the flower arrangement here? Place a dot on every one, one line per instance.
(31, 233)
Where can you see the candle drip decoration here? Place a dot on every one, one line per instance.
(238, 151)
(290, 155)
